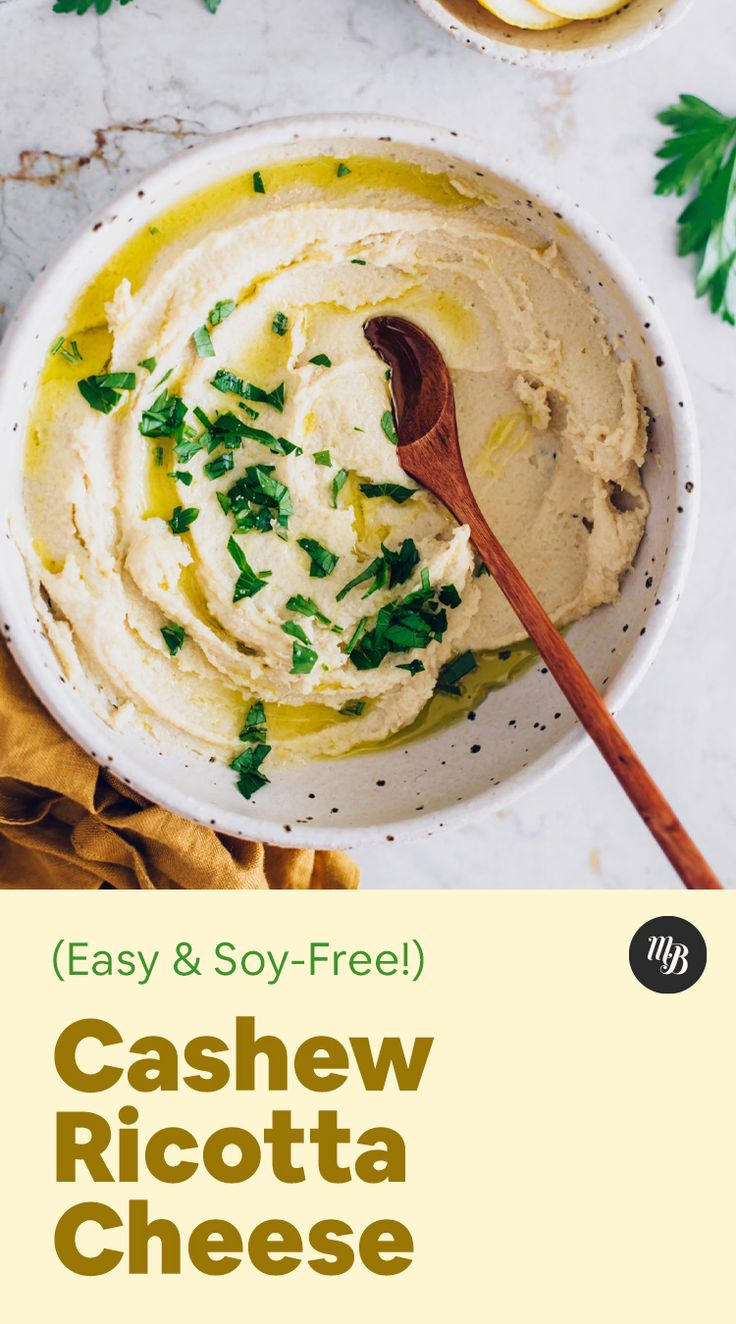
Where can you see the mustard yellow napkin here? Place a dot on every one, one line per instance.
(65, 822)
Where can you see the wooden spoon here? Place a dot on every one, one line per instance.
(429, 452)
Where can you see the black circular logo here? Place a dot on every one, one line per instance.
(668, 954)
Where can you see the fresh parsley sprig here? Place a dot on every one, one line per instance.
(102, 6)
(701, 159)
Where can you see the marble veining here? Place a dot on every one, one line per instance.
(92, 102)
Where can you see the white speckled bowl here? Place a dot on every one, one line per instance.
(571, 47)
(521, 733)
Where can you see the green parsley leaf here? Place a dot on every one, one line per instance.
(323, 457)
(102, 392)
(357, 635)
(82, 6)
(148, 364)
(182, 476)
(203, 343)
(224, 501)
(226, 381)
(409, 623)
(394, 491)
(338, 483)
(701, 157)
(249, 583)
(278, 445)
(158, 456)
(322, 361)
(449, 596)
(223, 309)
(414, 667)
(358, 262)
(322, 562)
(389, 428)
(258, 500)
(166, 414)
(307, 607)
(174, 637)
(187, 443)
(258, 184)
(343, 170)
(303, 659)
(390, 567)
(280, 324)
(254, 729)
(353, 708)
(296, 631)
(447, 681)
(222, 465)
(248, 767)
(181, 520)
(70, 352)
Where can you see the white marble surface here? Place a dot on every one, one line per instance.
(90, 102)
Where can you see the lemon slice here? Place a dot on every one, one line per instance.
(524, 14)
(571, 9)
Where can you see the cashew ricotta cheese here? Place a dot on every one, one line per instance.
(223, 546)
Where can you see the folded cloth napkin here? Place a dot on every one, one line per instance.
(65, 822)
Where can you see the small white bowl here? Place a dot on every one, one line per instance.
(521, 733)
(571, 47)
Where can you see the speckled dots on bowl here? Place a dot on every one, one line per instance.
(519, 734)
(571, 47)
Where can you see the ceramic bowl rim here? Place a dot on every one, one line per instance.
(551, 61)
(79, 721)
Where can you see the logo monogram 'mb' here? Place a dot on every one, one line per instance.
(670, 956)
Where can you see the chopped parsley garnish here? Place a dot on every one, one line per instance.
(258, 184)
(258, 500)
(389, 569)
(303, 659)
(322, 562)
(343, 170)
(357, 635)
(248, 583)
(394, 491)
(226, 381)
(187, 443)
(248, 767)
(71, 351)
(224, 501)
(338, 483)
(353, 708)
(449, 596)
(102, 392)
(414, 667)
(158, 456)
(323, 457)
(254, 729)
(222, 465)
(166, 414)
(447, 681)
(411, 622)
(203, 343)
(278, 445)
(183, 519)
(359, 262)
(222, 309)
(174, 637)
(165, 378)
(322, 361)
(148, 364)
(296, 631)
(307, 607)
(182, 476)
(389, 427)
(280, 324)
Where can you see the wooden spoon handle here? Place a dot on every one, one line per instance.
(585, 700)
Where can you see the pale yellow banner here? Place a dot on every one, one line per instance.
(570, 1150)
